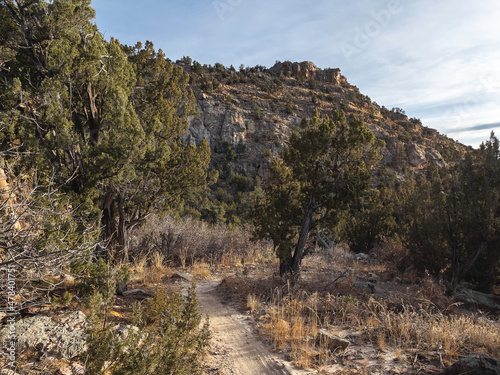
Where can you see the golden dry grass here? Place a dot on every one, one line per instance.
(418, 317)
(183, 242)
(422, 319)
(254, 303)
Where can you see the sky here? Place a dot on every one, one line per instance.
(439, 60)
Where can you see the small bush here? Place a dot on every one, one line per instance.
(165, 337)
(101, 278)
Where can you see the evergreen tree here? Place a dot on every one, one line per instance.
(367, 220)
(451, 219)
(326, 166)
(106, 120)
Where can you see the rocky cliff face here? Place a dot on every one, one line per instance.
(256, 109)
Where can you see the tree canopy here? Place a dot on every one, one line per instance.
(451, 218)
(326, 165)
(105, 119)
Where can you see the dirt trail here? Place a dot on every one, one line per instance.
(235, 348)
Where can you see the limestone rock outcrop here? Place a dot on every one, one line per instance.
(257, 111)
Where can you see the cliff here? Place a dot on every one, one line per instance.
(255, 109)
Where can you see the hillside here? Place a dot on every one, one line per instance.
(256, 109)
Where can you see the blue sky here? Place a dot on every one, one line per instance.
(439, 60)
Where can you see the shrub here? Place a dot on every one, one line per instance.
(165, 337)
(101, 278)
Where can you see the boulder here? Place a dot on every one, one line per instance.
(475, 365)
(182, 276)
(416, 155)
(477, 298)
(435, 157)
(330, 341)
(364, 287)
(361, 256)
(65, 339)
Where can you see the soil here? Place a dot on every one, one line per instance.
(235, 347)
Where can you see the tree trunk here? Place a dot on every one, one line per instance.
(461, 270)
(108, 221)
(304, 233)
(286, 266)
(122, 234)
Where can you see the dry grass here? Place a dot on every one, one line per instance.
(427, 329)
(254, 303)
(139, 269)
(200, 269)
(416, 318)
(292, 325)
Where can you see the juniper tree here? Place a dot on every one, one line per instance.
(326, 165)
(106, 120)
(450, 219)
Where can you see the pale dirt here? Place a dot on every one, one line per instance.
(235, 348)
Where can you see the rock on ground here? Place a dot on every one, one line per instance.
(65, 339)
(332, 342)
(477, 298)
(475, 365)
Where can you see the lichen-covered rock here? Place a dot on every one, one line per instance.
(64, 339)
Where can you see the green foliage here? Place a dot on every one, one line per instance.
(450, 153)
(368, 220)
(450, 218)
(99, 277)
(242, 183)
(107, 118)
(256, 111)
(64, 300)
(165, 337)
(326, 166)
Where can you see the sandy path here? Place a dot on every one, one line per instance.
(235, 348)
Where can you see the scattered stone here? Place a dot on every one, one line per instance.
(477, 298)
(364, 286)
(123, 331)
(64, 371)
(475, 365)
(332, 342)
(78, 369)
(121, 289)
(137, 291)
(35, 310)
(361, 256)
(183, 276)
(72, 319)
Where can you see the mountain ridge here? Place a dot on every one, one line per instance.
(255, 109)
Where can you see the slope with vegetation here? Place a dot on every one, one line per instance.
(121, 167)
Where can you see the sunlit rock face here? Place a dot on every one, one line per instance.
(253, 112)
